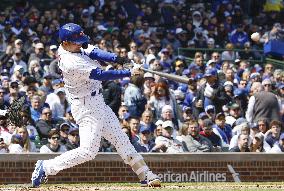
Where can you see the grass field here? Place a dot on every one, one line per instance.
(135, 187)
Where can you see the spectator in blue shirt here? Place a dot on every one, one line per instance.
(144, 144)
(239, 37)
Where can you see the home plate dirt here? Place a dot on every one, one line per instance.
(136, 187)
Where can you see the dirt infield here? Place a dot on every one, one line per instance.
(136, 187)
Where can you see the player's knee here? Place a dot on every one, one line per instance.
(89, 153)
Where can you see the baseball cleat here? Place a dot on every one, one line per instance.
(38, 176)
(152, 180)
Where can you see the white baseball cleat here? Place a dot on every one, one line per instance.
(151, 180)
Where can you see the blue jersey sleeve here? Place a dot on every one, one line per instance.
(102, 75)
(101, 55)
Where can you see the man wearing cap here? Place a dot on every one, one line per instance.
(52, 53)
(45, 123)
(18, 61)
(149, 80)
(73, 141)
(187, 113)
(166, 142)
(19, 44)
(209, 134)
(210, 111)
(223, 130)
(211, 93)
(254, 77)
(228, 88)
(17, 73)
(39, 54)
(234, 112)
(182, 37)
(159, 129)
(144, 144)
(201, 117)
(262, 104)
(165, 60)
(14, 93)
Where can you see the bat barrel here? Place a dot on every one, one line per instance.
(173, 77)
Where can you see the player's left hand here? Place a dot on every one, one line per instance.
(89, 49)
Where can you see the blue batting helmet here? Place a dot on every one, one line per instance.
(71, 32)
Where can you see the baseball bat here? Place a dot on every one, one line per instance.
(173, 77)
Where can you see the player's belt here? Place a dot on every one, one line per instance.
(94, 93)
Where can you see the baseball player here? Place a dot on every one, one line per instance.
(82, 75)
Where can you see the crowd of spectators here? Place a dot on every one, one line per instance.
(230, 104)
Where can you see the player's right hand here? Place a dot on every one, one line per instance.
(122, 60)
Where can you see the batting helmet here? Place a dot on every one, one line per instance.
(73, 33)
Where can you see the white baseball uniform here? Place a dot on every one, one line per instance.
(94, 117)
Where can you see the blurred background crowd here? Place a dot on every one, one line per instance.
(234, 101)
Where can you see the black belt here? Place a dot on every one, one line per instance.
(94, 93)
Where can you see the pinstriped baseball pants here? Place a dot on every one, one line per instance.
(95, 120)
